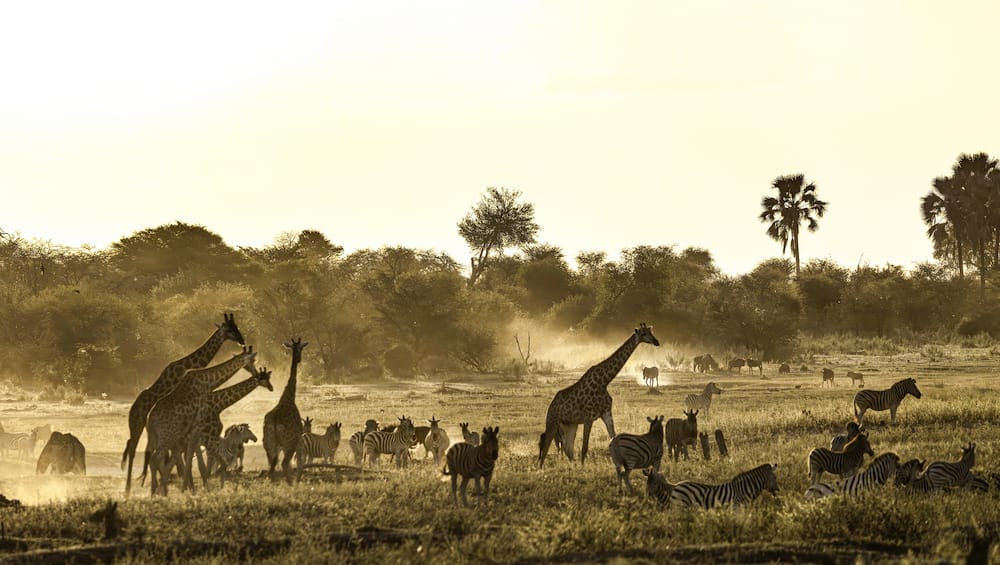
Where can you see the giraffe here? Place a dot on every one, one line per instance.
(168, 380)
(588, 399)
(208, 424)
(283, 424)
(172, 418)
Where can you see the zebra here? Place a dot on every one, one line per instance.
(702, 401)
(888, 399)
(473, 462)
(230, 450)
(844, 463)
(879, 471)
(976, 484)
(651, 375)
(396, 442)
(437, 441)
(469, 437)
(21, 443)
(681, 433)
(838, 442)
(945, 474)
(657, 487)
(742, 489)
(357, 440)
(315, 446)
(631, 451)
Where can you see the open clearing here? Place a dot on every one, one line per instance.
(563, 513)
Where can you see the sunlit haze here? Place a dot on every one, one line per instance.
(381, 123)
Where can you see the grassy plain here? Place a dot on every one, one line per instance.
(562, 513)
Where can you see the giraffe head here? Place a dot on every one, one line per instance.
(229, 329)
(645, 335)
(490, 443)
(296, 346)
(433, 422)
(262, 377)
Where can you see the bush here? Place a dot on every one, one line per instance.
(400, 361)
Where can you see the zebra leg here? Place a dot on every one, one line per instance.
(486, 490)
(586, 441)
(569, 439)
(892, 413)
(479, 492)
(628, 483)
(454, 487)
(465, 483)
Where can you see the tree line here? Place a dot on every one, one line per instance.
(107, 320)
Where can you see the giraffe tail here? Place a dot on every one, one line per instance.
(129, 448)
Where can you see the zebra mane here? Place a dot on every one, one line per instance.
(745, 474)
(855, 441)
(904, 383)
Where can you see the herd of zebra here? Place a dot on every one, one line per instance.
(62, 452)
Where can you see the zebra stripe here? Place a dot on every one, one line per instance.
(657, 487)
(838, 443)
(702, 401)
(357, 440)
(877, 474)
(437, 440)
(889, 399)
(742, 489)
(844, 463)
(229, 449)
(473, 462)
(396, 443)
(631, 451)
(315, 446)
(944, 474)
(471, 438)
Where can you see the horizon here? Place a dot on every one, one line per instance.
(645, 124)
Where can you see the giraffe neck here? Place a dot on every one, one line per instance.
(607, 370)
(201, 357)
(222, 399)
(288, 395)
(214, 376)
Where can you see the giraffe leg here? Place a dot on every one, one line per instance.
(569, 439)
(544, 442)
(609, 423)
(286, 465)
(586, 441)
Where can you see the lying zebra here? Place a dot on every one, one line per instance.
(844, 463)
(742, 489)
(879, 471)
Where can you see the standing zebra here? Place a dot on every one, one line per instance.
(844, 463)
(877, 474)
(631, 451)
(315, 446)
(396, 443)
(437, 440)
(702, 401)
(944, 474)
(657, 487)
(681, 433)
(743, 488)
(888, 399)
(22, 443)
(473, 462)
(357, 440)
(472, 438)
(230, 450)
(838, 443)
(651, 375)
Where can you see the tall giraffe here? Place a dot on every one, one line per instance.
(168, 380)
(208, 424)
(172, 418)
(588, 399)
(283, 424)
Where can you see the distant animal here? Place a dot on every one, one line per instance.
(682, 432)
(357, 440)
(437, 441)
(944, 474)
(827, 376)
(704, 363)
(888, 399)
(838, 442)
(804, 368)
(21, 443)
(702, 401)
(396, 443)
(471, 438)
(784, 369)
(856, 377)
(844, 463)
(879, 471)
(738, 364)
(632, 451)
(755, 364)
(42, 433)
(651, 375)
(740, 490)
(657, 487)
(315, 446)
(473, 462)
(64, 453)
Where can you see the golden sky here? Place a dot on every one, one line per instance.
(379, 123)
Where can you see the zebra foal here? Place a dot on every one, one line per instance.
(844, 463)
(945, 474)
(631, 451)
(879, 471)
(888, 399)
(742, 489)
(473, 462)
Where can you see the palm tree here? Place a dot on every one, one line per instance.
(795, 204)
(944, 212)
(976, 174)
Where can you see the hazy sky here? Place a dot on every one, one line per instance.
(379, 123)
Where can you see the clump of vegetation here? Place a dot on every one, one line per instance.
(933, 353)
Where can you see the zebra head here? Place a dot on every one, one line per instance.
(910, 386)
(371, 426)
(969, 454)
(433, 422)
(307, 425)
(406, 428)
(263, 377)
(908, 472)
(771, 479)
(860, 442)
(490, 443)
(229, 329)
(712, 388)
(246, 434)
(645, 335)
(333, 431)
(655, 424)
